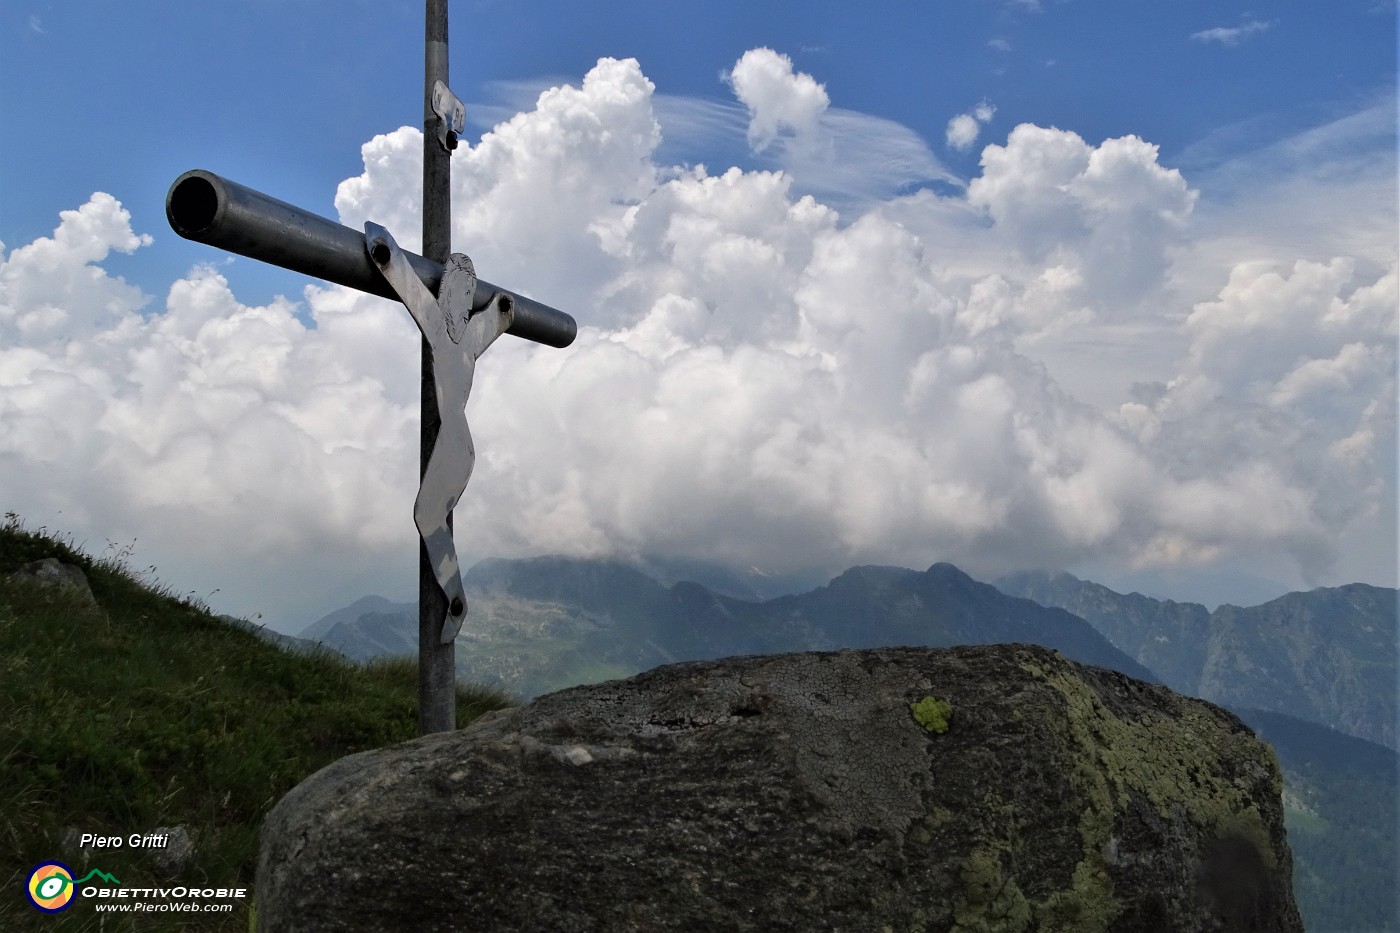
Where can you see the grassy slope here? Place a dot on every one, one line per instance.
(151, 712)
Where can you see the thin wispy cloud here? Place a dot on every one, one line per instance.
(781, 119)
(848, 159)
(863, 159)
(1232, 153)
(1001, 45)
(1232, 35)
(509, 97)
(1336, 173)
(36, 25)
(695, 124)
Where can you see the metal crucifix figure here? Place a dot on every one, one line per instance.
(456, 336)
(458, 322)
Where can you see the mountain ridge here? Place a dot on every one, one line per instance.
(1327, 655)
(608, 617)
(601, 617)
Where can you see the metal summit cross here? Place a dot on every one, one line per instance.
(458, 314)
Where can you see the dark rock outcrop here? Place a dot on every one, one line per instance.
(993, 787)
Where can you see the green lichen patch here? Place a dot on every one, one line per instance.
(933, 714)
(990, 901)
(1161, 760)
(1087, 906)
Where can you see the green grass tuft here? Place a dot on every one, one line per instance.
(149, 711)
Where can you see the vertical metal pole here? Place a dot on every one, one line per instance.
(437, 673)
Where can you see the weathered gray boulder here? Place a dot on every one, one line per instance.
(900, 789)
(53, 572)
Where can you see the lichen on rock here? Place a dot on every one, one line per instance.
(932, 713)
(1160, 761)
(990, 902)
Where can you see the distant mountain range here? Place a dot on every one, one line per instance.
(540, 624)
(1328, 655)
(546, 623)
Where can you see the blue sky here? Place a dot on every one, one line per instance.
(1210, 305)
(280, 94)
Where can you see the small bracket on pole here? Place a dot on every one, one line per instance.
(451, 113)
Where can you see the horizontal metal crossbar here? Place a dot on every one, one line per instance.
(207, 208)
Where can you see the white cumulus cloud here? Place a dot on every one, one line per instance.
(779, 99)
(1109, 212)
(962, 131)
(964, 128)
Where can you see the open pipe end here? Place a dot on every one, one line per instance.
(192, 204)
